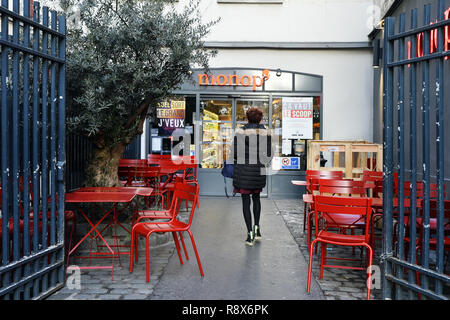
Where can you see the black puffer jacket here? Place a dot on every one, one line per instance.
(252, 148)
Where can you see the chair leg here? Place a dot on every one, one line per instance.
(177, 245)
(311, 249)
(196, 253)
(369, 277)
(304, 216)
(184, 245)
(147, 258)
(132, 246)
(323, 258)
(136, 245)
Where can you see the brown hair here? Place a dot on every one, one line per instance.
(254, 115)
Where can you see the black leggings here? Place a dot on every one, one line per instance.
(256, 209)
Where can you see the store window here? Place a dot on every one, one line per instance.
(243, 105)
(217, 132)
(294, 121)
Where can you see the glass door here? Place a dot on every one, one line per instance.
(242, 105)
(217, 131)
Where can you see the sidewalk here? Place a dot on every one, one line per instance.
(274, 268)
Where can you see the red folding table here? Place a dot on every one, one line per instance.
(99, 196)
(138, 191)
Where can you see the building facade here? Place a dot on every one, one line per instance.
(315, 50)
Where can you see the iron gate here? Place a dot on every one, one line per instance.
(415, 143)
(32, 150)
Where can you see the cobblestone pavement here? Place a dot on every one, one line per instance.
(97, 284)
(337, 284)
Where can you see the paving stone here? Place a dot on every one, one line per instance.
(135, 297)
(111, 296)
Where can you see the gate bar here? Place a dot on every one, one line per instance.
(388, 154)
(401, 151)
(26, 143)
(413, 150)
(15, 148)
(426, 149)
(418, 30)
(61, 165)
(440, 151)
(35, 120)
(44, 144)
(26, 20)
(5, 147)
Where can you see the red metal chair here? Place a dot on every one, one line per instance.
(329, 208)
(317, 174)
(145, 229)
(335, 187)
(164, 215)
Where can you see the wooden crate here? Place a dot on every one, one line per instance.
(350, 157)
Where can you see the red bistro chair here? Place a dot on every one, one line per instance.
(335, 187)
(145, 229)
(317, 174)
(164, 215)
(328, 207)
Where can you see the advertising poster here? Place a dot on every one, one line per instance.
(298, 118)
(171, 115)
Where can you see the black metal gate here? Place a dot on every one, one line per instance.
(32, 150)
(415, 242)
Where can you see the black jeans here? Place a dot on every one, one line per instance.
(246, 201)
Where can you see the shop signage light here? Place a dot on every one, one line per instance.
(223, 80)
(433, 40)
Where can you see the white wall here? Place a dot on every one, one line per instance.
(347, 74)
(347, 83)
(292, 21)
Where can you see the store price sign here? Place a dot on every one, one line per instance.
(298, 118)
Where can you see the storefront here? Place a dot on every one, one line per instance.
(215, 104)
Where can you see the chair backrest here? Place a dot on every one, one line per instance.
(324, 173)
(186, 192)
(154, 158)
(138, 173)
(320, 174)
(372, 176)
(419, 190)
(377, 178)
(357, 209)
(434, 209)
(342, 187)
(132, 163)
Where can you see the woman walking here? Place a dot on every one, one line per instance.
(252, 154)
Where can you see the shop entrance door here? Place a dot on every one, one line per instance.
(220, 116)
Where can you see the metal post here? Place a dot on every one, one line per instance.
(440, 151)
(388, 154)
(401, 153)
(413, 149)
(26, 143)
(426, 148)
(5, 146)
(61, 140)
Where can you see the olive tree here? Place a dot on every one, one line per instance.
(123, 57)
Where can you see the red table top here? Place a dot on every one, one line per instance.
(99, 196)
(376, 202)
(139, 191)
(301, 183)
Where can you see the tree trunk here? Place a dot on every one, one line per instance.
(102, 170)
